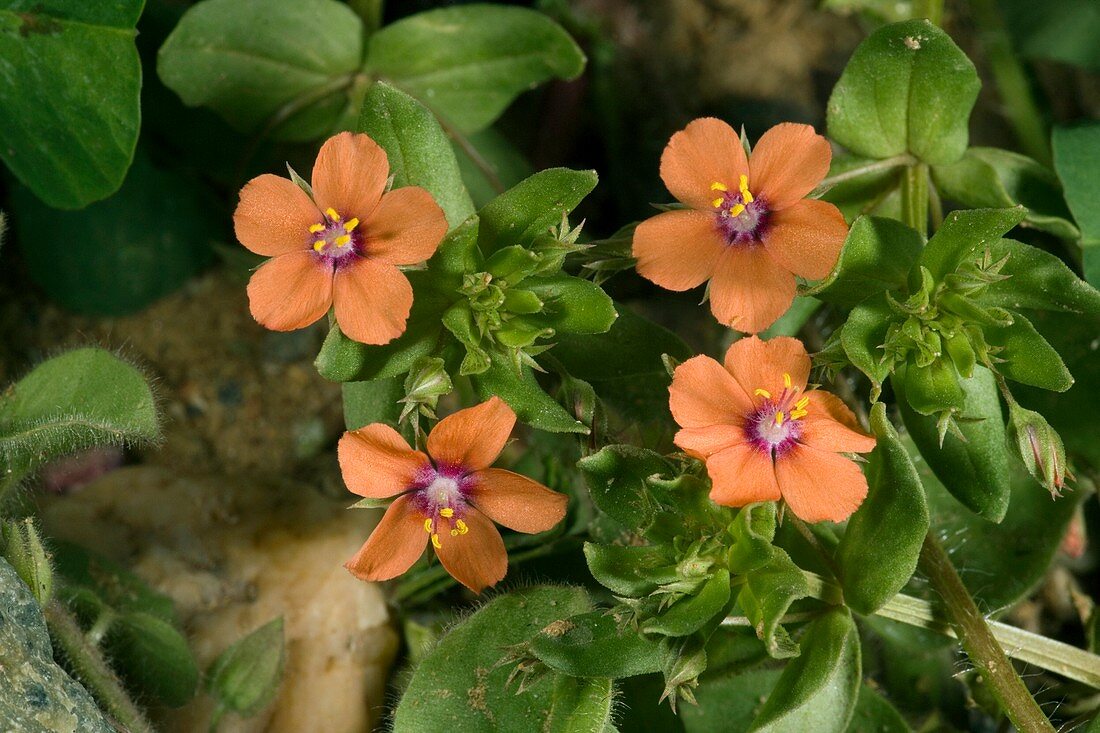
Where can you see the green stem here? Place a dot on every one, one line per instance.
(92, 670)
(1020, 105)
(933, 10)
(914, 197)
(885, 164)
(976, 638)
(370, 11)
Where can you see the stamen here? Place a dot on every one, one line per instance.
(746, 197)
(454, 533)
(787, 380)
(461, 526)
(737, 209)
(435, 541)
(718, 186)
(779, 418)
(718, 202)
(801, 404)
(318, 245)
(342, 240)
(798, 414)
(428, 525)
(447, 512)
(331, 213)
(350, 224)
(763, 393)
(317, 228)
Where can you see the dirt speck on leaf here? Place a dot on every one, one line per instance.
(559, 628)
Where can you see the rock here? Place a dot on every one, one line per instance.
(234, 554)
(37, 696)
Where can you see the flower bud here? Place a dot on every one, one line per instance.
(426, 383)
(23, 550)
(1039, 446)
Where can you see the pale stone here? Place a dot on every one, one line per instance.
(233, 555)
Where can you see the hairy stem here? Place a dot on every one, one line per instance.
(976, 638)
(92, 670)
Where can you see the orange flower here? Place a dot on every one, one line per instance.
(763, 436)
(448, 496)
(342, 247)
(749, 229)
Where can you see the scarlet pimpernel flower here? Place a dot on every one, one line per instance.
(448, 497)
(764, 436)
(339, 249)
(749, 228)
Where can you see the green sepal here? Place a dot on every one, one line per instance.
(245, 677)
(880, 547)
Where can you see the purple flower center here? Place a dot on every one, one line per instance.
(336, 240)
(441, 494)
(740, 216)
(776, 424)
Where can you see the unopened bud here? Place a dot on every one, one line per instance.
(24, 552)
(426, 383)
(1040, 447)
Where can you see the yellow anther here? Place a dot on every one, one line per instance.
(317, 228)
(331, 213)
(428, 525)
(461, 527)
(342, 240)
(801, 404)
(318, 245)
(737, 209)
(779, 418)
(787, 381)
(763, 393)
(447, 512)
(798, 414)
(435, 541)
(718, 186)
(454, 533)
(718, 202)
(746, 197)
(350, 224)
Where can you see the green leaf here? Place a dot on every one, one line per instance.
(571, 305)
(245, 677)
(419, 152)
(372, 402)
(865, 193)
(631, 570)
(522, 392)
(974, 471)
(123, 253)
(1037, 279)
(595, 644)
(907, 89)
(287, 68)
(1076, 159)
(1063, 30)
(152, 656)
(693, 612)
(994, 178)
(876, 257)
(729, 701)
(1028, 358)
(70, 81)
(91, 581)
(617, 482)
(462, 684)
(880, 547)
(818, 690)
(864, 334)
(77, 400)
(964, 235)
(532, 207)
(874, 713)
(767, 593)
(468, 63)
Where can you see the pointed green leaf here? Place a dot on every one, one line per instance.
(877, 256)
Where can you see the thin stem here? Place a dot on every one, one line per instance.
(914, 198)
(92, 670)
(933, 10)
(1020, 105)
(815, 543)
(474, 155)
(885, 164)
(978, 641)
(370, 11)
(935, 207)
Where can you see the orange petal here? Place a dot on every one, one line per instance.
(290, 291)
(707, 151)
(376, 462)
(405, 228)
(274, 216)
(372, 300)
(678, 250)
(758, 364)
(749, 290)
(787, 163)
(706, 441)
(474, 437)
(350, 175)
(741, 475)
(476, 559)
(806, 238)
(394, 545)
(517, 502)
(703, 394)
(819, 485)
(830, 426)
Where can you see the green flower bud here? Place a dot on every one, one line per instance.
(426, 383)
(1039, 446)
(24, 552)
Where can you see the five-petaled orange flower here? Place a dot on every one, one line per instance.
(763, 436)
(749, 229)
(447, 497)
(341, 248)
